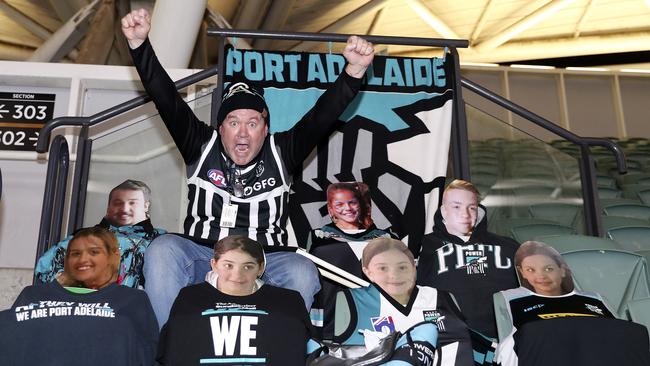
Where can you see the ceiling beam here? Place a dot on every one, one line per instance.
(552, 48)
(376, 21)
(481, 22)
(65, 38)
(97, 44)
(369, 7)
(250, 14)
(25, 21)
(221, 22)
(10, 52)
(523, 24)
(431, 19)
(275, 19)
(66, 9)
(583, 18)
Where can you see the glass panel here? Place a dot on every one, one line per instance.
(138, 146)
(524, 180)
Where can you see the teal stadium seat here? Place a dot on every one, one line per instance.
(639, 311)
(532, 231)
(638, 211)
(563, 213)
(631, 238)
(503, 226)
(568, 243)
(606, 192)
(605, 181)
(618, 221)
(619, 276)
(644, 196)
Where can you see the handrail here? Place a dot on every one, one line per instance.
(44, 134)
(593, 222)
(337, 37)
(548, 125)
(54, 196)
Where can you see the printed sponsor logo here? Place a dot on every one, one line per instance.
(434, 316)
(594, 309)
(561, 315)
(217, 178)
(536, 306)
(258, 186)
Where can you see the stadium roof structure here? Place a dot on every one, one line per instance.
(542, 32)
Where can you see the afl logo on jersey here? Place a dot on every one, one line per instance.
(217, 178)
(383, 324)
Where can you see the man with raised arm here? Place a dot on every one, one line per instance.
(239, 175)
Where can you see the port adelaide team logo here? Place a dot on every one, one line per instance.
(434, 316)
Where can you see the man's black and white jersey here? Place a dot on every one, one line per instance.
(472, 271)
(262, 209)
(206, 326)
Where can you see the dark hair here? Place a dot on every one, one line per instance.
(134, 185)
(534, 248)
(106, 237)
(380, 245)
(362, 193)
(243, 243)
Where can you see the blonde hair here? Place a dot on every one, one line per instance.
(463, 185)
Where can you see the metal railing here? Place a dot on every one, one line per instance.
(593, 224)
(54, 197)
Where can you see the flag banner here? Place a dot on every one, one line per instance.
(394, 136)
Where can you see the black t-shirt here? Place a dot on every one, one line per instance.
(48, 325)
(269, 327)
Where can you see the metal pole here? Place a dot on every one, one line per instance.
(459, 148)
(218, 92)
(57, 166)
(591, 203)
(80, 182)
(336, 37)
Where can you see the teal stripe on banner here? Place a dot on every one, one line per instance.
(231, 311)
(233, 360)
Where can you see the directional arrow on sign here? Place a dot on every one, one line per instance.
(2, 110)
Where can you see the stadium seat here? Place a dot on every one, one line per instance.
(631, 238)
(639, 311)
(563, 213)
(633, 178)
(619, 276)
(638, 211)
(606, 192)
(535, 190)
(618, 221)
(605, 181)
(532, 231)
(644, 196)
(568, 243)
(503, 226)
